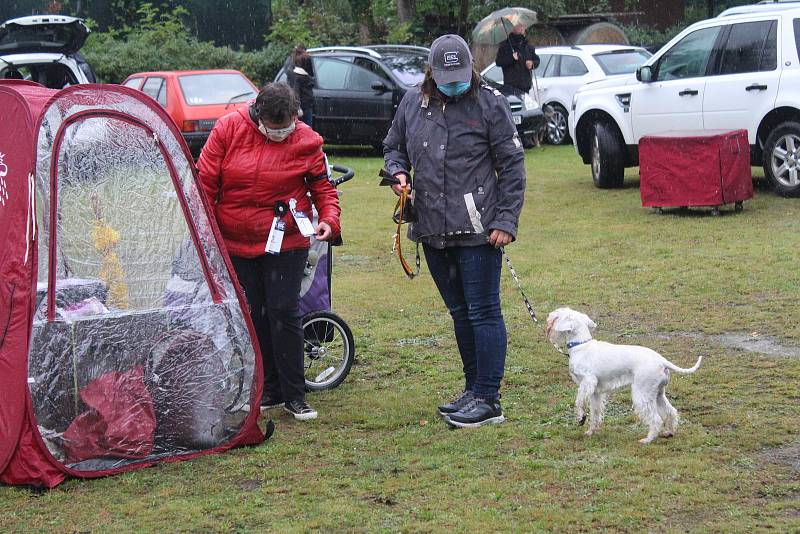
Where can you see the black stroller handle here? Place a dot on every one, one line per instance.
(347, 174)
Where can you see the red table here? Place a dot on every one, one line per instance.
(695, 168)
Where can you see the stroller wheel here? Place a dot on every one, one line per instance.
(328, 348)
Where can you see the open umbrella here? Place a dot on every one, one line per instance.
(495, 27)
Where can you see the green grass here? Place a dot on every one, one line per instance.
(378, 459)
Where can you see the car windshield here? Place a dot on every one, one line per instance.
(622, 62)
(408, 68)
(209, 89)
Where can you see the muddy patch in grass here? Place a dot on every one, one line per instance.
(787, 455)
(750, 342)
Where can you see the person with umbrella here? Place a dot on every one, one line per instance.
(517, 58)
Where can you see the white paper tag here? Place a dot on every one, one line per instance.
(275, 238)
(301, 219)
(303, 224)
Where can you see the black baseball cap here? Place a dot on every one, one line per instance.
(450, 59)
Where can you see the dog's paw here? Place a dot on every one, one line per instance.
(581, 419)
(667, 434)
(589, 432)
(645, 441)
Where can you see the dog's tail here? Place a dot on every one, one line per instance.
(681, 370)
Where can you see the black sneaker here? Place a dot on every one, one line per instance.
(300, 410)
(268, 403)
(457, 404)
(477, 413)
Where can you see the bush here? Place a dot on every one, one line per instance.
(162, 42)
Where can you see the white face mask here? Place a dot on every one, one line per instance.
(276, 134)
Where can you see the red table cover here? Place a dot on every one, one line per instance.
(695, 168)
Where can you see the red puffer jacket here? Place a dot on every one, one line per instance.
(243, 175)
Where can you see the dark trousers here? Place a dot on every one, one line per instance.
(468, 279)
(308, 115)
(271, 284)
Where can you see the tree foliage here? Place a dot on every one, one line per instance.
(161, 41)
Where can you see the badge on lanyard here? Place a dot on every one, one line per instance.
(275, 238)
(301, 219)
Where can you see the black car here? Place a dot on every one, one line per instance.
(357, 91)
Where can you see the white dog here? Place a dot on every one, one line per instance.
(599, 368)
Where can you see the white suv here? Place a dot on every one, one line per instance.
(564, 69)
(730, 72)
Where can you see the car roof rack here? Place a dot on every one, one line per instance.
(410, 48)
(761, 7)
(356, 49)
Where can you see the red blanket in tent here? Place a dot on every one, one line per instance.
(121, 421)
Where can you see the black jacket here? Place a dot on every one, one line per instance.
(468, 166)
(515, 73)
(303, 84)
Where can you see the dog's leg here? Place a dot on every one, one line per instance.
(668, 413)
(585, 390)
(597, 406)
(646, 407)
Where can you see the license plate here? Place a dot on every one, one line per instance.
(517, 119)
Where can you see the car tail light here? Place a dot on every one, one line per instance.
(203, 125)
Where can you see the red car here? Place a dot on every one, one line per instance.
(195, 99)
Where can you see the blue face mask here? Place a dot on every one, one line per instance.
(454, 88)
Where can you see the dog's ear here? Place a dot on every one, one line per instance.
(587, 321)
(564, 324)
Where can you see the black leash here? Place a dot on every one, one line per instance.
(519, 285)
(524, 296)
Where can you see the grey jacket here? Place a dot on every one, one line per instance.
(468, 166)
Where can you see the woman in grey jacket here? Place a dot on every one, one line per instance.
(458, 139)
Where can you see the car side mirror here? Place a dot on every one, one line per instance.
(380, 87)
(644, 74)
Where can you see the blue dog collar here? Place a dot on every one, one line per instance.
(573, 344)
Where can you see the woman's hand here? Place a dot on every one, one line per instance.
(398, 188)
(499, 238)
(324, 232)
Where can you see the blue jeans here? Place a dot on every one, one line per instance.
(468, 278)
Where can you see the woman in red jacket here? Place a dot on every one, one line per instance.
(256, 169)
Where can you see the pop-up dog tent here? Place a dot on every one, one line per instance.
(124, 337)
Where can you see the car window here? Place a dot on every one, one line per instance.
(372, 67)
(408, 68)
(215, 88)
(332, 73)
(156, 87)
(796, 24)
(133, 82)
(748, 48)
(551, 66)
(622, 61)
(572, 66)
(769, 57)
(361, 79)
(688, 58)
(544, 59)
(495, 74)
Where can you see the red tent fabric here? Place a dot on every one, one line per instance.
(109, 263)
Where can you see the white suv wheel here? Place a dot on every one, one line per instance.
(557, 126)
(782, 158)
(785, 157)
